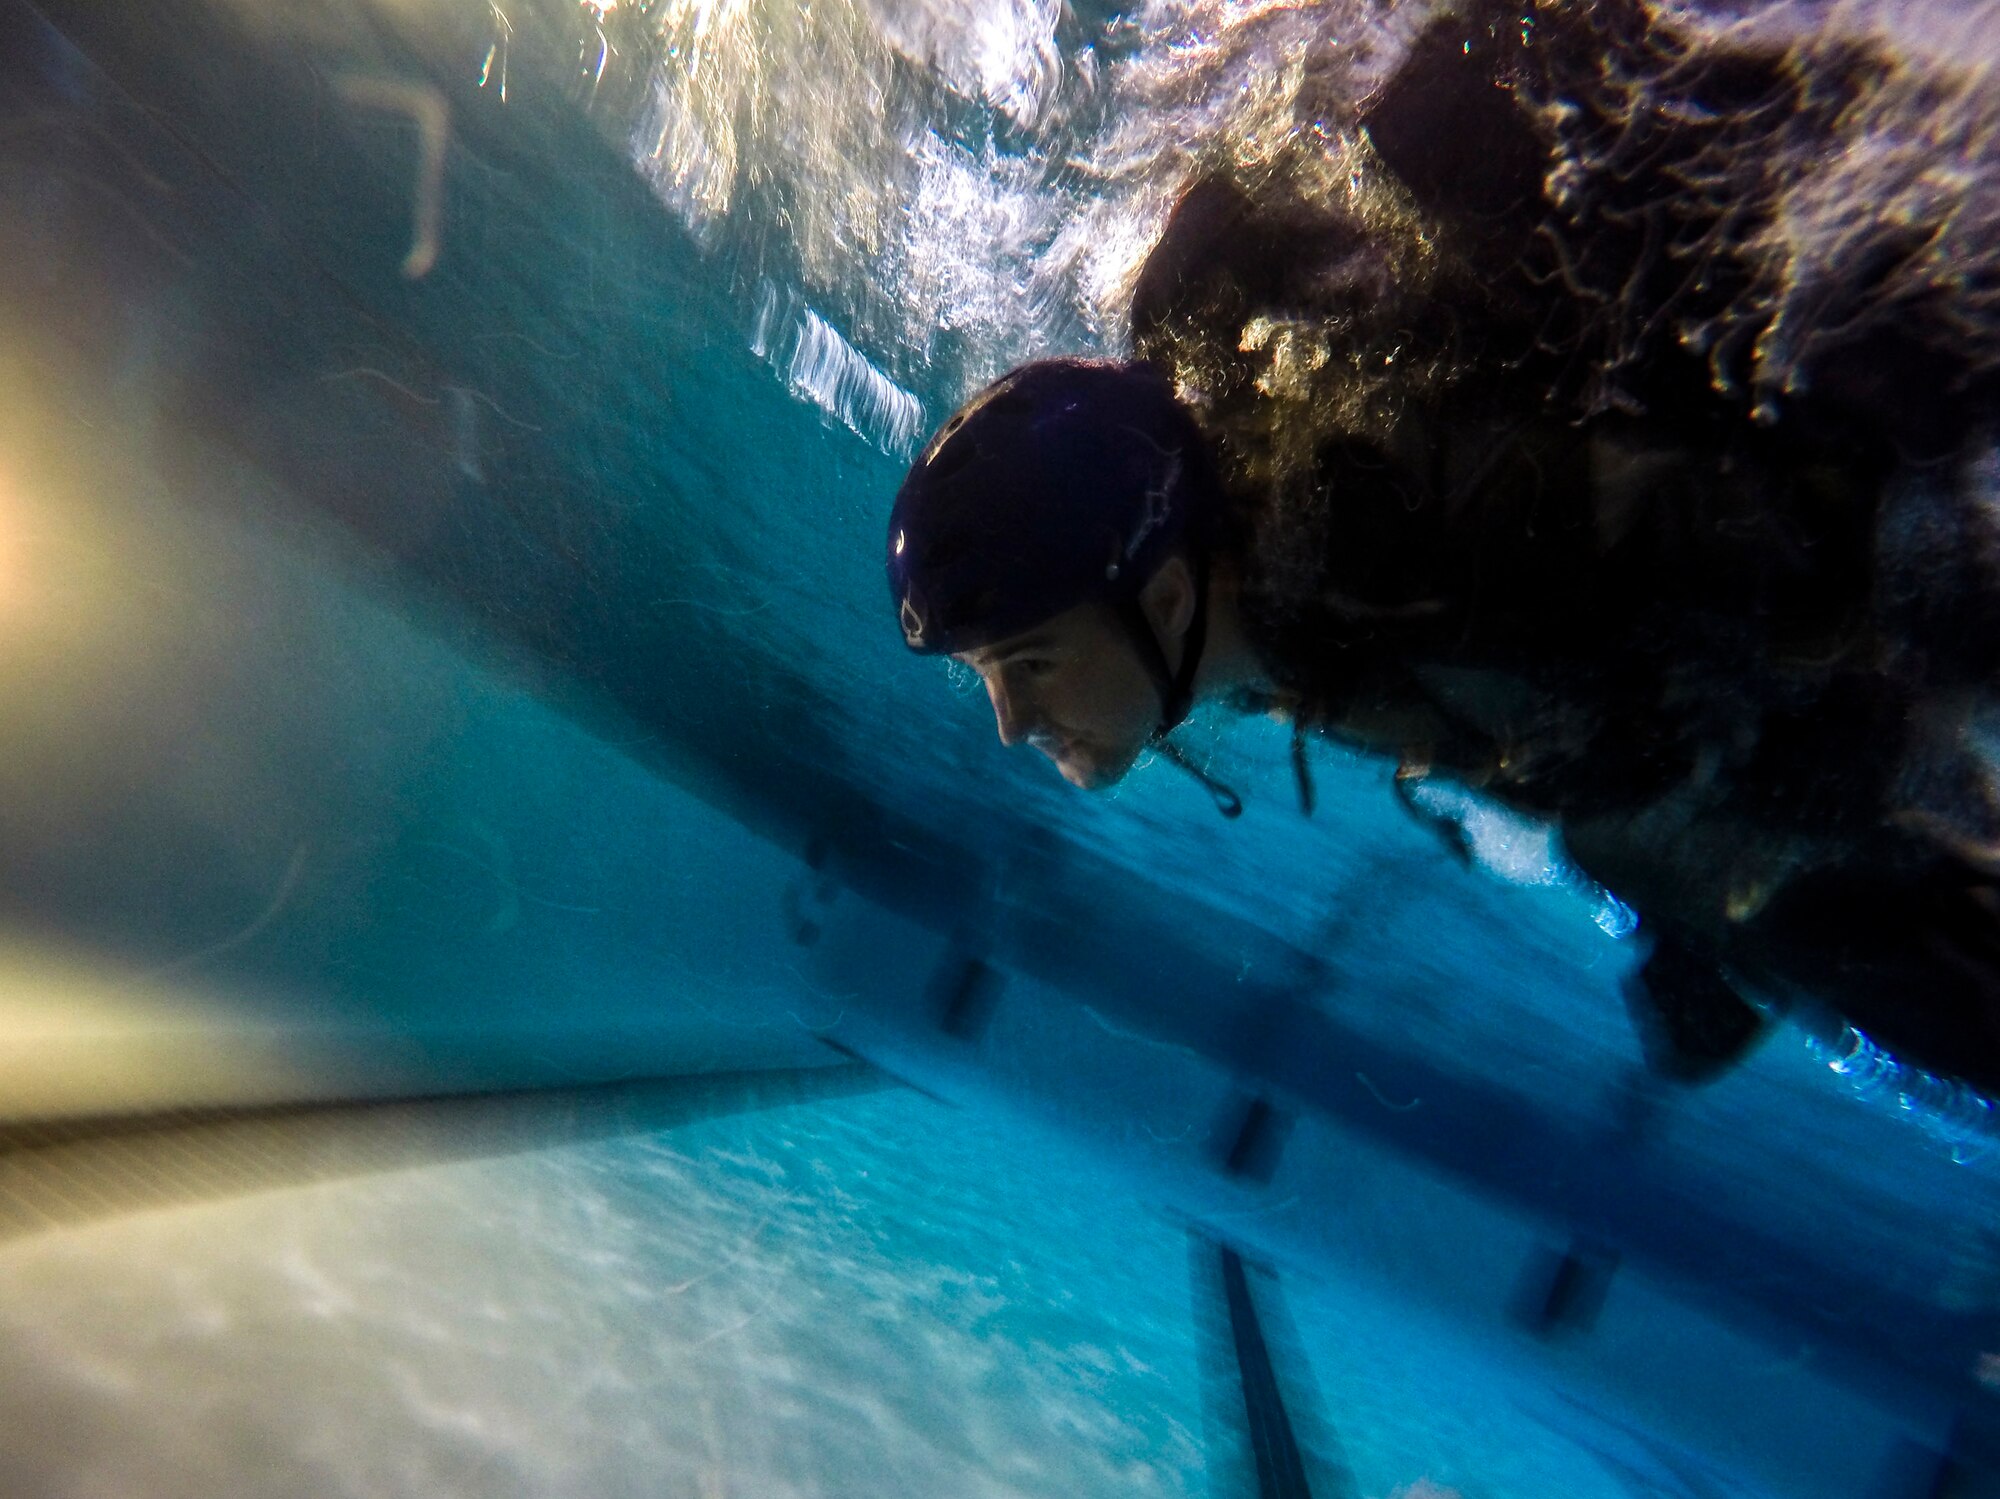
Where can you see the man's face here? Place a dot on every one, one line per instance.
(1075, 690)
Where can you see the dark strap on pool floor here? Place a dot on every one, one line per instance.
(55, 1173)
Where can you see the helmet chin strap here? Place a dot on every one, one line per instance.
(1176, 687)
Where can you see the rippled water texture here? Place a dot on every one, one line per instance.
(878, 1296)
(958, 187)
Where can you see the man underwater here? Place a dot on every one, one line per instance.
(1468, 434)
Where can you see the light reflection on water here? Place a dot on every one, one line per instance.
(874, 1296)
(996, 173)
(810, 1301)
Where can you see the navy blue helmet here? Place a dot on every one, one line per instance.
(1063, 482)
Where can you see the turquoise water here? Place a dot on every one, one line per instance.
(877, 1296)
(871, 1297)
(445, 652)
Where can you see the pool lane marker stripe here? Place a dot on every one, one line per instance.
(1281, 1472)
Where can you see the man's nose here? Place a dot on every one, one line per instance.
(1010, 713)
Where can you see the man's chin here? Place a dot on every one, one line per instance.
(1089, 773)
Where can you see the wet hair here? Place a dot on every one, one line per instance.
(1613, 214)
(1310, 334)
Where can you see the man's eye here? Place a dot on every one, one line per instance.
(1038, 666)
